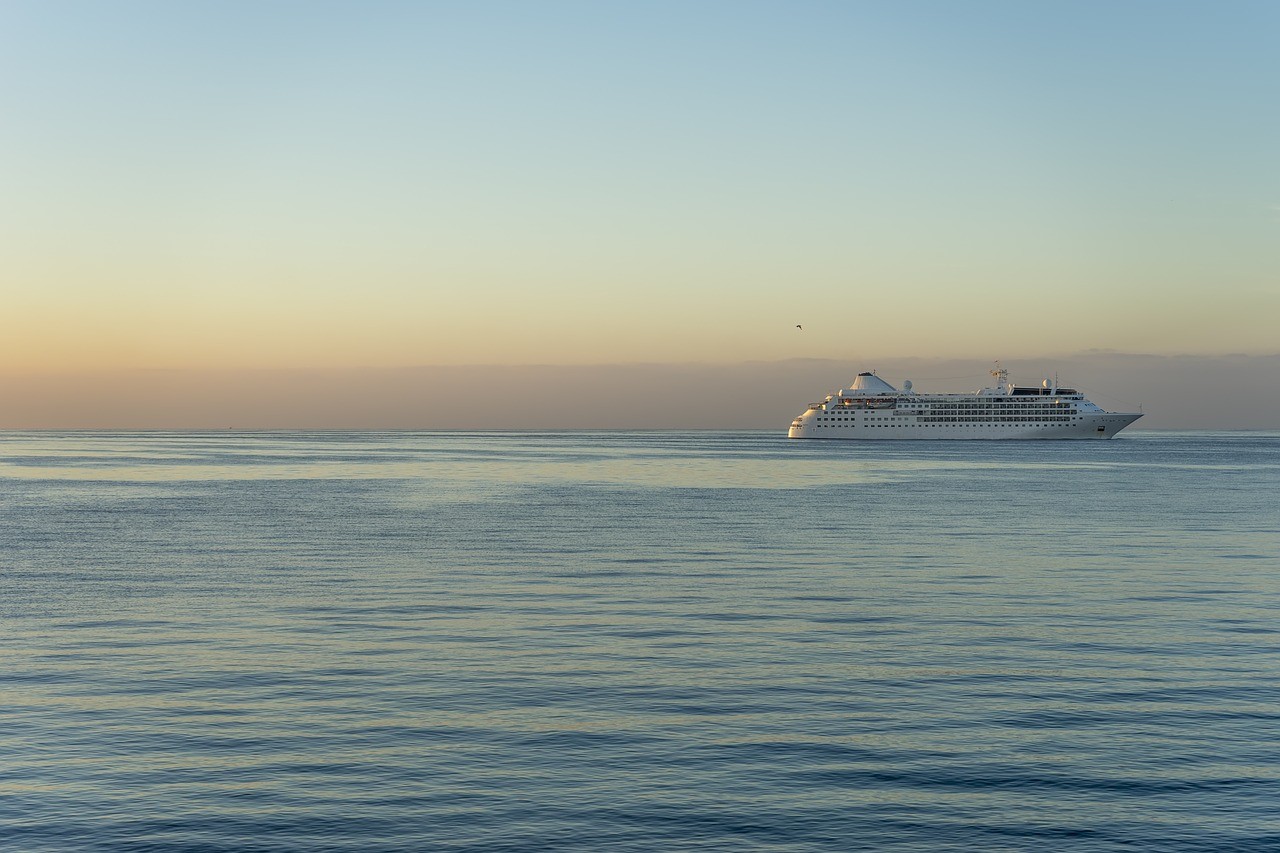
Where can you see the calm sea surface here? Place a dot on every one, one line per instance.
(638, 642)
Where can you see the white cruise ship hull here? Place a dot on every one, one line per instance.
(873, 410)
(1095, 427)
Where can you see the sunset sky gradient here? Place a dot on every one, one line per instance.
(281, 185)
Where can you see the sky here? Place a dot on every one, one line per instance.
(314, 186)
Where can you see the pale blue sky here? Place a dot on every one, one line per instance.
(296, 184)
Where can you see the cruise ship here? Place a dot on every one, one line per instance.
(871, 408)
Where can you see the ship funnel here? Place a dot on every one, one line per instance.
(869, 383)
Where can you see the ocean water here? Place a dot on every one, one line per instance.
(638, 642)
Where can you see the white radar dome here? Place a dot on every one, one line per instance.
(906, 386)
(1044, 384)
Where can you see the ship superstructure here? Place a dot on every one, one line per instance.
(871, 408)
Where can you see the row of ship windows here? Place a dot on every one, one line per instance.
(1002, 403)
(1020, 423)
(985, 401)
(967, 419)
(1046, 407)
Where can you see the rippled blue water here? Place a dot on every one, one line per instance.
(650, 641)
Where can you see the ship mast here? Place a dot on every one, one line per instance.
(1000, 375)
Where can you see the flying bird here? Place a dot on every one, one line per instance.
(798, 326)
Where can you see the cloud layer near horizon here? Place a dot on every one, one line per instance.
(1176, 392)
